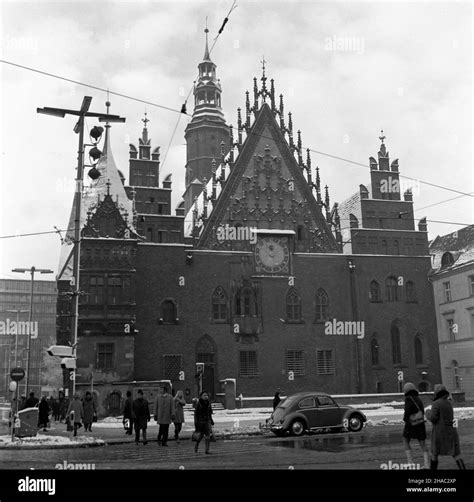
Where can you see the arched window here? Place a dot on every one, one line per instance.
(374, 350)
(410, 291)
(418, 349)
(219, 304)
(447, 260)
(396, 349)
(246, 302)
(322, 305)
(353, 221)
(391, 289)
(168, 312)
(374, 292)
(293, 305)
(396, 245)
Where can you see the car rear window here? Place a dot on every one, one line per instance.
(325, 401)
(287, 402)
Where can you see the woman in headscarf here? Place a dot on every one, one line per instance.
(444, 436)
(414, 429)
(179, 403)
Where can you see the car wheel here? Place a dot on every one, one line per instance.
(355, 423)
(297, 428)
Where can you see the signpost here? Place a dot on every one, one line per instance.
(16, 374)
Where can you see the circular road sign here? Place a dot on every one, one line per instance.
(17, 374)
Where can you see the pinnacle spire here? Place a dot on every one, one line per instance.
(207, 57)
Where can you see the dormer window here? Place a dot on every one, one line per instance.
(447, 260)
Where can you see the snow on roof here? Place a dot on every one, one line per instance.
(109, 180)
(199, 204)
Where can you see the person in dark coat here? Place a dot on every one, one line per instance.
(164, 415)
(141, 412)
(179, 404)
(128, 413)
(89, 411)
(32, 401)
(63, 406)
(203, 420)
(413, 405)
(276, 399)
(444, 436)
(43, 415)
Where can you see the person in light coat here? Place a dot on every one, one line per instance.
(444, 436)
(76, 413)
(179, 403)
(164, 415)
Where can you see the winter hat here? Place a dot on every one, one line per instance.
(439, 391)
(408, 387)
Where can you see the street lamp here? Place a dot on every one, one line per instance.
(355, 316)
(17, 312)
(95, 133)
(32, 271)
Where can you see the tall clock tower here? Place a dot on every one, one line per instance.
(206, 131)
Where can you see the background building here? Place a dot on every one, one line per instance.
(15, 301)
(453, 284)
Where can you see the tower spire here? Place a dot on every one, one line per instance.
(207, 57)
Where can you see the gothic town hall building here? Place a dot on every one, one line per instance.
(255, 273)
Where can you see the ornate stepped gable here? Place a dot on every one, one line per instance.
(266, 187)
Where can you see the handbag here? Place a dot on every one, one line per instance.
(416, 418)
(195, 436)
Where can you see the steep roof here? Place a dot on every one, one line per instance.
(266, 149)
(110, 183)
(459, 243)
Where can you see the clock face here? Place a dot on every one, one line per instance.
(272, 255)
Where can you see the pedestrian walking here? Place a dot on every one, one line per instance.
(203, 420)
(43, 415)
(164, 415)
(76, 413)
(63, 406)
(414, 418)
(55, 408)
(179, 403)
(276, 399)
(89, 411)
(128, 414)
(32, 401)
(141, 412)
(444, 436)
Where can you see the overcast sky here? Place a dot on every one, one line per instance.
(346, 70)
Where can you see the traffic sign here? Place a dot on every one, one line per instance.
(17, 374)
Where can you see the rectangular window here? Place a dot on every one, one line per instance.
(295, 362)
(447, 291)
(172, 365)
(96, 289)
(325, 362)
(105, 355)
(471, 285)
(114, 290)
(451, 330)
(248, 366)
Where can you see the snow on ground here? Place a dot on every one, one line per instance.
(43, 440)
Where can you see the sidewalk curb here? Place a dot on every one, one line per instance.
(111, 442)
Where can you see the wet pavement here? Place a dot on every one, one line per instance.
(368, 449)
